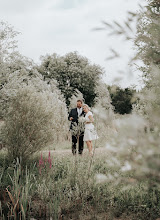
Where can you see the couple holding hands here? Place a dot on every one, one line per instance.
(88, 133)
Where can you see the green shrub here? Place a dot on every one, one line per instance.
(30, 122)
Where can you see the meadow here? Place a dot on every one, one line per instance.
(39, 176)
(54, 184)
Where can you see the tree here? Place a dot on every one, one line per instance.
(138, 134)
(148, 46)
(122, 99)
(148, 39)
(11, 61)
(72, 72)
(8, 46)
(28, 105)
(31, 121)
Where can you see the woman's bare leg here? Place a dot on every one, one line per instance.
(89, 145)
(91, 152)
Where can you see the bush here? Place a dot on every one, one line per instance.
(122, 99)
(30, 122)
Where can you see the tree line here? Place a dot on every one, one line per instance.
(71, 72)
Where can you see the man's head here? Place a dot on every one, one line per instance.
(79, 103)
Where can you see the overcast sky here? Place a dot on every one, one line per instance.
(62, 26)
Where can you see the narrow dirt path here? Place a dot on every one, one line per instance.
(67, 152)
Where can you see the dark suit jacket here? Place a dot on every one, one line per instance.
(74, 114)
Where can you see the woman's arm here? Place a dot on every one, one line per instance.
(91, 120)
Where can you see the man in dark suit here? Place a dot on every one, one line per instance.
(74, 115)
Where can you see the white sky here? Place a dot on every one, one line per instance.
(62, 26)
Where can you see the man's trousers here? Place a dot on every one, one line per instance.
(80, 144)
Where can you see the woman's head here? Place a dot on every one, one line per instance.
(86, 108)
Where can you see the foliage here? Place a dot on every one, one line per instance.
(18, 194)
(73, 100)
(137, 140)
(103, 96)
(7, 38)
(31, 121)
(123, 182)
(66, 191)
(125, 32)
(148, 46)
(122, 99)
(135, 145)
(12, 64)
(115, 28)
(72, 72)
(33, 113)
(8, 46)
(103, 115)
(148, 39)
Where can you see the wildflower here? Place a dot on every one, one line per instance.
(41, 163)
(49, 159)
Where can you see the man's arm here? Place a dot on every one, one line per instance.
(70, 116)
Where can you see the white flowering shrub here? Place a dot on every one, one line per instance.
(8, 46)
(35, 116)
(103, 115)
(138, 108)
(73, 100)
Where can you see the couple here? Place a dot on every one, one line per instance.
(86, 133)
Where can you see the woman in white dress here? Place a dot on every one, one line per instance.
(89, 132)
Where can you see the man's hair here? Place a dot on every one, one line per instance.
(79, 101)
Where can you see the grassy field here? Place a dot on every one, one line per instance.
(73, 187)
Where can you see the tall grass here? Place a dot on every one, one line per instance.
(71, 189)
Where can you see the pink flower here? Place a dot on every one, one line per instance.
(49, 160)
(41, 161)
(43, 164)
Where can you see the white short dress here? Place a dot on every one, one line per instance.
(89, 132)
